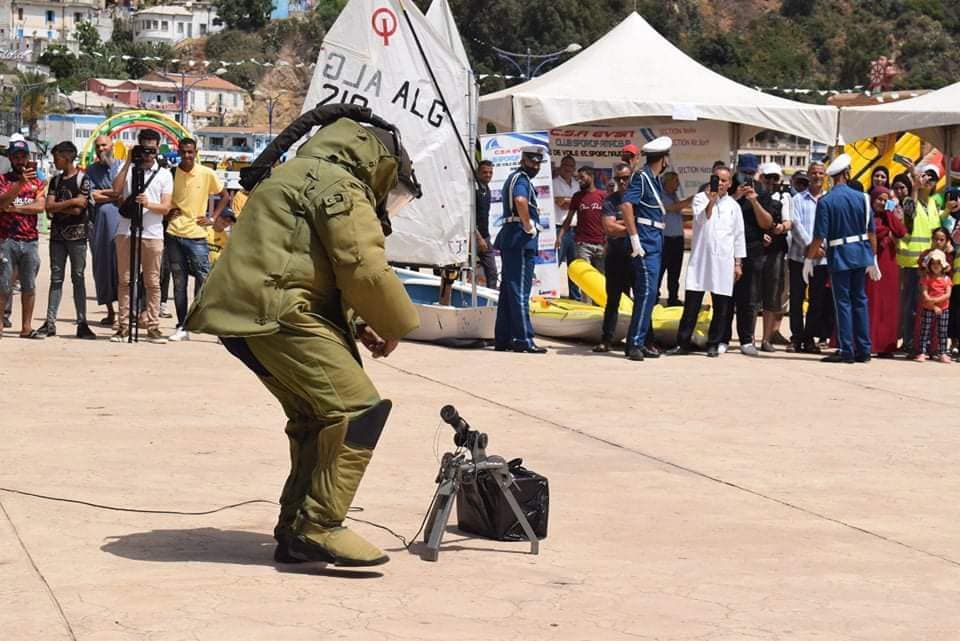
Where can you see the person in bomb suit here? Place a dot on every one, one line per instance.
(305, 260)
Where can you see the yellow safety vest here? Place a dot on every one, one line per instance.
(956, 267)
(925, 220)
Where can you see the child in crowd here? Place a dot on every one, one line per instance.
(935, 289)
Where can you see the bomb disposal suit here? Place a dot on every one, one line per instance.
(303, 262)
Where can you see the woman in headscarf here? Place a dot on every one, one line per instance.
(880, 177)
(883, 296)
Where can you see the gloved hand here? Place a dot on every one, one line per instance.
(636, 246)
(807, 270)
(873, 271)
(532, 231)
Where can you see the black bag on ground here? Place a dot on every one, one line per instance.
(483, 510)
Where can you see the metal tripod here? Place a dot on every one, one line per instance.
(454, 468)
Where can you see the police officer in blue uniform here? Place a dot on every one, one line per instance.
(517, 244)
(844, 223)
(643, 215)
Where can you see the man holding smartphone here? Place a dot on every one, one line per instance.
(715, 261)
(21, 201)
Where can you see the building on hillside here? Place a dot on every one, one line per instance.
(76, 128)
(89, 102)
(172, 23)
(792, 153)
(208, 99)
(29, 27)
(242, 145)
(283, 9)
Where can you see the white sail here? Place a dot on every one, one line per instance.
(371, 57)
(440, 17)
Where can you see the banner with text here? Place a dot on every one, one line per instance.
(503, 150)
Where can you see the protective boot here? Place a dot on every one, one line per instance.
(302, 435)
(343, 450)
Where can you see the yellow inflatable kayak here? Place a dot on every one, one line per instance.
(880, 151)
(593, 284)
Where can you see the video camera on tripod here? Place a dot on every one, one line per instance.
(484, 488)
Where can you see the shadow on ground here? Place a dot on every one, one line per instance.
(212, 545)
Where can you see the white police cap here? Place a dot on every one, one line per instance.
(840, 164)
(924, 168)
(659, 145)
(534, 150)
(770, 169)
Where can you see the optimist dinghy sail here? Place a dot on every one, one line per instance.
(385, 55)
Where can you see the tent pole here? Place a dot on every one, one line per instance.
(734, 143)
(947, 152)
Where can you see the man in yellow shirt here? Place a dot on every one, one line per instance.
(186, 240)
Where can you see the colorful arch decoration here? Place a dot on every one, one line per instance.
(168, 128)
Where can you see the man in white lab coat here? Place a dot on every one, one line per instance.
(718, 247)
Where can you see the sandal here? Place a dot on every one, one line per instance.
(35, 334)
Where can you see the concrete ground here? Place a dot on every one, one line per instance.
(721, 500)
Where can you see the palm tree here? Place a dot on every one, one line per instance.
(33, 90)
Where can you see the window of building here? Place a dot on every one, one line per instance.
(239, 141)
(203, 29)
(20, 14)
(180, 27)
(77, 18)
(780, 159)
(217, 22)
(216, 142)
(165, 26)
(190, 30)
(51, 16)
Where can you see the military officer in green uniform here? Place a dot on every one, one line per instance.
(304, 275)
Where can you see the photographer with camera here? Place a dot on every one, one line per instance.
(155, 198)
(755, 206)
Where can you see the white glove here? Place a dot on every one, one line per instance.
(636, 246)
(532, 231)
(873, 271)
(807, 270)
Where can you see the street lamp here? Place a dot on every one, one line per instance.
(184, 88)
(528, 58)
(271, 100)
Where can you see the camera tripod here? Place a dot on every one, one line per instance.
(463, 466)
(136, 237)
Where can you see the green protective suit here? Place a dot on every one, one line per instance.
(305, 258)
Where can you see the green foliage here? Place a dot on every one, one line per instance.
(238, 46)
(245, 15)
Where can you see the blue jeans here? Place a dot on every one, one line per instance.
(23, 258)
(76, 250)
(188, 257)
(853, 320)
(567, 254)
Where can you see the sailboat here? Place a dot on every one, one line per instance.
(412, 70)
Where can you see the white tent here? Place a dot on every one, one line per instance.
(634, 72)
(933, 116)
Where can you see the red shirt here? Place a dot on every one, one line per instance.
(589, 208)
(19, 226)
(937, 286)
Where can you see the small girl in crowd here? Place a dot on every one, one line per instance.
(935, 288)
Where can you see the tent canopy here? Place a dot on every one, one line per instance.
(928, 116)
(634, 72)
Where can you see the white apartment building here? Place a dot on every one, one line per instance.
(175, 22)
(28, 27)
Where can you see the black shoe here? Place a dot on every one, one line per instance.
(532, 349)
(811, 348)
(635, 354)
(47, 329)
(108, 320)
(84, 331)
(501, 348)
(837, 358)
(282, 552)
(885, 355)
(7, 324)
(602, 348)
(862, 358)
(713, 351)
(779, 339)
(677, 351)
(649, 351)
